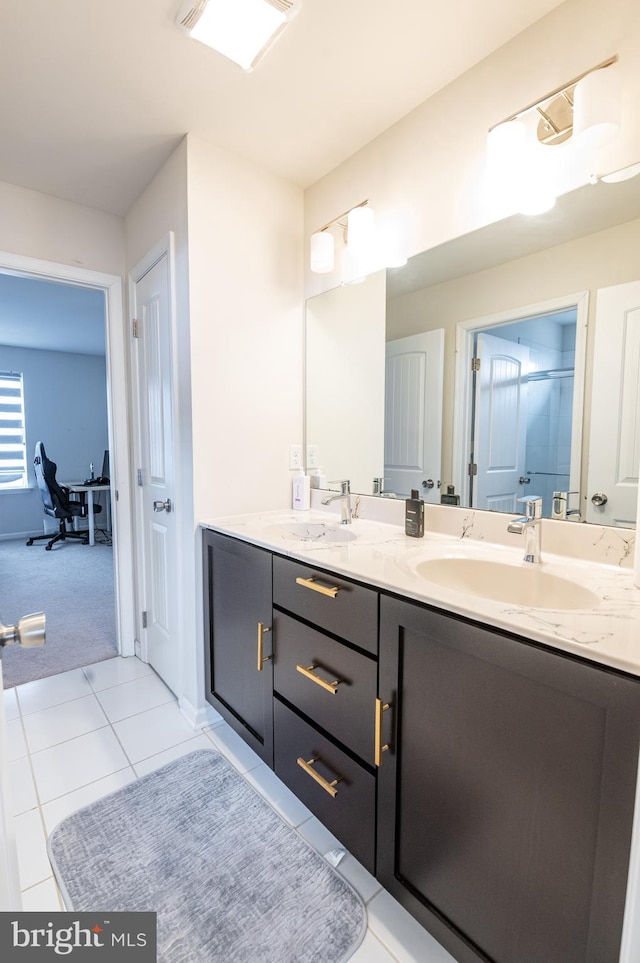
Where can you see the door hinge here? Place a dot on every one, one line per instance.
(472, 468)
(475, 364)
(134, 328)
(144, 619)
(139, 476)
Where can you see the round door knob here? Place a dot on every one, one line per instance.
(429, 483)
(599, 499)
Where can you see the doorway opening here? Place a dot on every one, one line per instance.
(63, 327)
(521, 433)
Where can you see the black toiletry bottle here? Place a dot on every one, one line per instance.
(450, 498)
(414, 515)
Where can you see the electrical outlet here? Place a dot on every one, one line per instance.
(312, 456)
(295, 456)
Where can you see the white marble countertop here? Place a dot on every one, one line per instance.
(381, 554)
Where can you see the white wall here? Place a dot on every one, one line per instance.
(65, 408)
(432, 162)
(39, 226)
(245, 257)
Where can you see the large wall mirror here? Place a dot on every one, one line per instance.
(550, 308)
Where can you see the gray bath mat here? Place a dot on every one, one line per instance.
(228, 878)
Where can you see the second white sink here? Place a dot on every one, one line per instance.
(527, 585)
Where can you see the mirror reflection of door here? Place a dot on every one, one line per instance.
(413, 415)
(614, 447)
(500, 423)
(523, 405)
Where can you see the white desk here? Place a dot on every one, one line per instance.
(79, 488)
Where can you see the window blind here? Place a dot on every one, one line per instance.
(13, 454)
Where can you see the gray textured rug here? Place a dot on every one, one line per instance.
(229, 879)
(73, 585)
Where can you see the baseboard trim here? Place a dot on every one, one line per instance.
(198, 718)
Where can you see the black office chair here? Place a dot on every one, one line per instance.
(56, 502)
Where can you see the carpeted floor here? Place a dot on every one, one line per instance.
(73, 585)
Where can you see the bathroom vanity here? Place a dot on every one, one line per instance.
(478, 756)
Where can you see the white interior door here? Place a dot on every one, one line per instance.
(500, 423)
(614, 445)
(10, 899)
(413, 414)
(156, 517)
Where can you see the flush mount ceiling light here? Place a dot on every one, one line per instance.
(520, 161)
(240, 29)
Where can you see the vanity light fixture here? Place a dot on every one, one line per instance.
(615, 177)
(520, 163)
(323, 241)
(239, 29)
(370, 243)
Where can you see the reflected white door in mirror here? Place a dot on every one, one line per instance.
(519, 402)
(614, 446)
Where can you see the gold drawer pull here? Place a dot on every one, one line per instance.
(308, 674)
(310, 771)
(262, 628)
(378, 747)
(311, 583)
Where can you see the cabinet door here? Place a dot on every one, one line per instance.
(237, 602)
(506, 798)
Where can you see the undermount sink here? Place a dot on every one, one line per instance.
(315, 532)
(527, 585)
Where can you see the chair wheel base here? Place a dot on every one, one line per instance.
(47, 548)
(30, 542)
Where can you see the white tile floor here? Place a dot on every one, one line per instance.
(76, 736)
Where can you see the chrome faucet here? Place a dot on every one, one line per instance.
(345, 500)
(529, 523)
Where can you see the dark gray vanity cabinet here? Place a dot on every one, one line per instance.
(325, 678)
(238, 644)
(505, 799)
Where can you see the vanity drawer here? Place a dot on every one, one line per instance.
(350, 813)
(347, 713)
(351, 611)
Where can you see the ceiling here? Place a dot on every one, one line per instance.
(592, 208)
(51, 316)
(98, 94)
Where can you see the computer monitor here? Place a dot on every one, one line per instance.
(105, 465)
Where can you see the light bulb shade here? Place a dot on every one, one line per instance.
(624, 174)
(520, 170)
(360, 226)
(506, 148)
(596, 106)
(238, 29)
(391, 239)
(322, 252)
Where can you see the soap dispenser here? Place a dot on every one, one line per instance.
(301, 492)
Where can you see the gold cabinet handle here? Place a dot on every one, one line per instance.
(378, 747)
(329, 787)
(262, 628)
(311, 583)
(307, 672)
